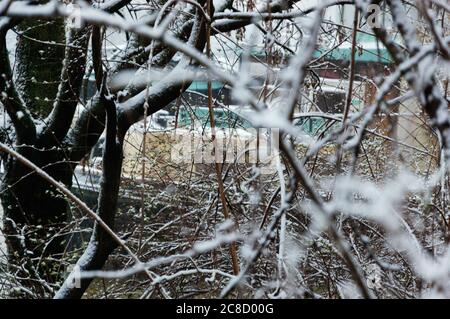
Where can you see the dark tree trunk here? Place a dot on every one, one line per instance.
(34, 213)
(39, 63)
(101, 244)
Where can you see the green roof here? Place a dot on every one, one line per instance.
(368, 50)
(203, 85)
(224, 118)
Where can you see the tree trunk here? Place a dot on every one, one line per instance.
(39, 62)
(48, 76)
(34, 213)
